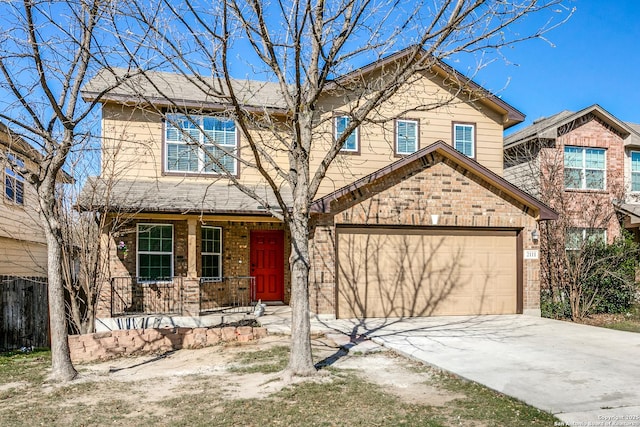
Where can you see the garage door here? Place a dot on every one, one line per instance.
(408, 272)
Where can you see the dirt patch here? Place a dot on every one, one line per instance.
(603, 319)
(155, 378)
(12, 385)
(395, 375)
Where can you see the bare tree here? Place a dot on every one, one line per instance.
(310, 50)
(82, 221)
(48, 50)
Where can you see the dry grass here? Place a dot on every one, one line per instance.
(629, 322)
(223, 386)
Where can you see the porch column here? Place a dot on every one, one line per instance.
(107, 255)
(191, 285)
(192, 269)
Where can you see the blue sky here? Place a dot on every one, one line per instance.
(596, 60)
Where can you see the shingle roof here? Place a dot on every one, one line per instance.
(537, 126)
(187, 91)
(159, 87)
(547, 127)
(172, 197)
(634, 126)
(630, 209)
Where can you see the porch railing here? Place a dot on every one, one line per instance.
(130, 295)
(228, 294)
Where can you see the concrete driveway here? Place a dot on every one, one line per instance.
(584, 375)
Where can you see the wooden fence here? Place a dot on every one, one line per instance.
(24, 313)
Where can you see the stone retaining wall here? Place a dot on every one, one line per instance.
(109, 345)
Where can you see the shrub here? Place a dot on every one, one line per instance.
(606, 277)
(554, 309)
(612, 286)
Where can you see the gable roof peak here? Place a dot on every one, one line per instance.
(547, 127)
(323, 204)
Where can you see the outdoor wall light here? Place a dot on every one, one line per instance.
(535, 236)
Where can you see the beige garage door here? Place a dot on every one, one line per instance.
(409, 273)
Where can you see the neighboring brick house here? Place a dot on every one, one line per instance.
(412, 219)
(629, 210)
(575, 162)
(23, 248)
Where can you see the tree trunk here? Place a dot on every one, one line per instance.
(300, 360)
(61, 367)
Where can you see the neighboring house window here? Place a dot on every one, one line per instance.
(211, 252)
(13, 181)
(406, 136)
(576, 237)
(464, 138)
(155, 251)
(635, 171)
(351, 143)
(192, 142)
(584, 168)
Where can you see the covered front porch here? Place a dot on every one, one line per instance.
(191, 266)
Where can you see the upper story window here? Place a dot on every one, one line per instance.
(635, 171)
(155, 251)
(14, 181)
(577, 237)
(406, 137)
(211, 253)
(464, 138)
(584, 168)
(351, 144)
(200, 144)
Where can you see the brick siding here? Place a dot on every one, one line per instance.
(235, 257)
(595, 208)
(409, 197)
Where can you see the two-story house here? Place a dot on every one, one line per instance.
(23, 248)
(580, 163)
(629, 210)
(413, 217)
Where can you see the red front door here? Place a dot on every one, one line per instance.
(267, 264)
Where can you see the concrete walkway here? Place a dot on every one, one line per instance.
(584, 375)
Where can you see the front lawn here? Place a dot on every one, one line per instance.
(240, 385)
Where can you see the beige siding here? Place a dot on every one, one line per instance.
(131, 143)
(21, 258)
(23, 250)
(525, 176)
(20, 222)
(133, 137)
(436, 123)
(132, 148)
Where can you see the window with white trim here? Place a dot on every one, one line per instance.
(584, 168)
(211, 252)
(193, 142)
(464, 138)
(155, 252)
(635, 171)
(13, 180)
(406, 136)
(340, 125)
(577, 237)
